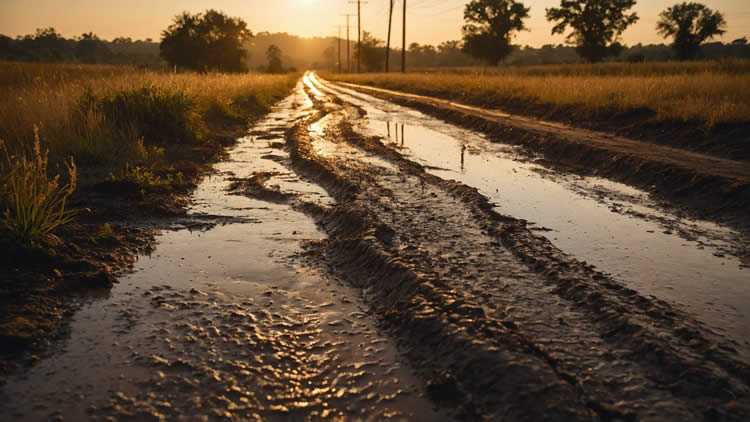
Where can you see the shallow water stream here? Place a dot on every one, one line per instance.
(226, 321)
(614, 227)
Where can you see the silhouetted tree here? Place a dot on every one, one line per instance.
(91, 49)
(273, 54)
(450, 53)
(373, 52)
(490, 25)
(206, 41)
(596, 25)
(45, 45)
(740, 41)
(690, 24)
(122, 40)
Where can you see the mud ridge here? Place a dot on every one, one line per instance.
(613, 303)
(477, 358)
(442, 333)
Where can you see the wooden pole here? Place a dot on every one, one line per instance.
(339, 39)
(403, 43)
(359, 35)
(388, 46)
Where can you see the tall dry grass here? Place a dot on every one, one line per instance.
(732, 66)
(710, 93)
(53, 97)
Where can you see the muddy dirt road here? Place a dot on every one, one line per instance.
(697, 265)
(369, 262)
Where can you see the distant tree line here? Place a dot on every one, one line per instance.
(47, 45)
(213, 41)
(593, 27)
(451, 54)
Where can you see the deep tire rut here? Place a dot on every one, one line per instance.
(499, 322)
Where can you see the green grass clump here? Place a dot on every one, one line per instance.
(34, 203)
(159, 115)
(104, 233)
(146, 179)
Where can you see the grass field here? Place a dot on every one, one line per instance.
(706, 93)
(105, 116)
(115, 123)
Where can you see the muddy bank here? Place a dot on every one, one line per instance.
(728, 140)
(498, 320)
(696, 266)
(41, 283)
(695, 187)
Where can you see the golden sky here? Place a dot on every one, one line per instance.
(428, 21)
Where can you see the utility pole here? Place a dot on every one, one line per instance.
(388, 46)
(339, 39)
(348, 56)
(359, 34)
(403, 44)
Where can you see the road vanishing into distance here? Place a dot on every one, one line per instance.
(366, 261)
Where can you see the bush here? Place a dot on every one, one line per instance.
(34, 204)
(159, 115)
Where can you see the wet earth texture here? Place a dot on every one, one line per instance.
(359, 274)
(227, 323)
(697, 265)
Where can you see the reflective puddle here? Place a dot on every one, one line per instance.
(227, 322)
(614, 227)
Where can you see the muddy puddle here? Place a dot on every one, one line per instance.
(227, 322)
(616, 228)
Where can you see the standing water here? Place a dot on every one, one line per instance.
(614, 227)
(226, 322)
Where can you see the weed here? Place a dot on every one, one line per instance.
(35, 204)
(142, 177)
(104, 233)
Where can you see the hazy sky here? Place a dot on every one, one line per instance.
(428, 21)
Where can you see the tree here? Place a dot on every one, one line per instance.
(46, 45)
(273, 54)
(596, 25)
(373, 52)
(490, 25)
(690, 24)
(91, 49)
(206, 41)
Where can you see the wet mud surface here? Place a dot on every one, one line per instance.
(455, 275)
(700, 185)
(227, 320)
(697, 265)
(329, 271)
